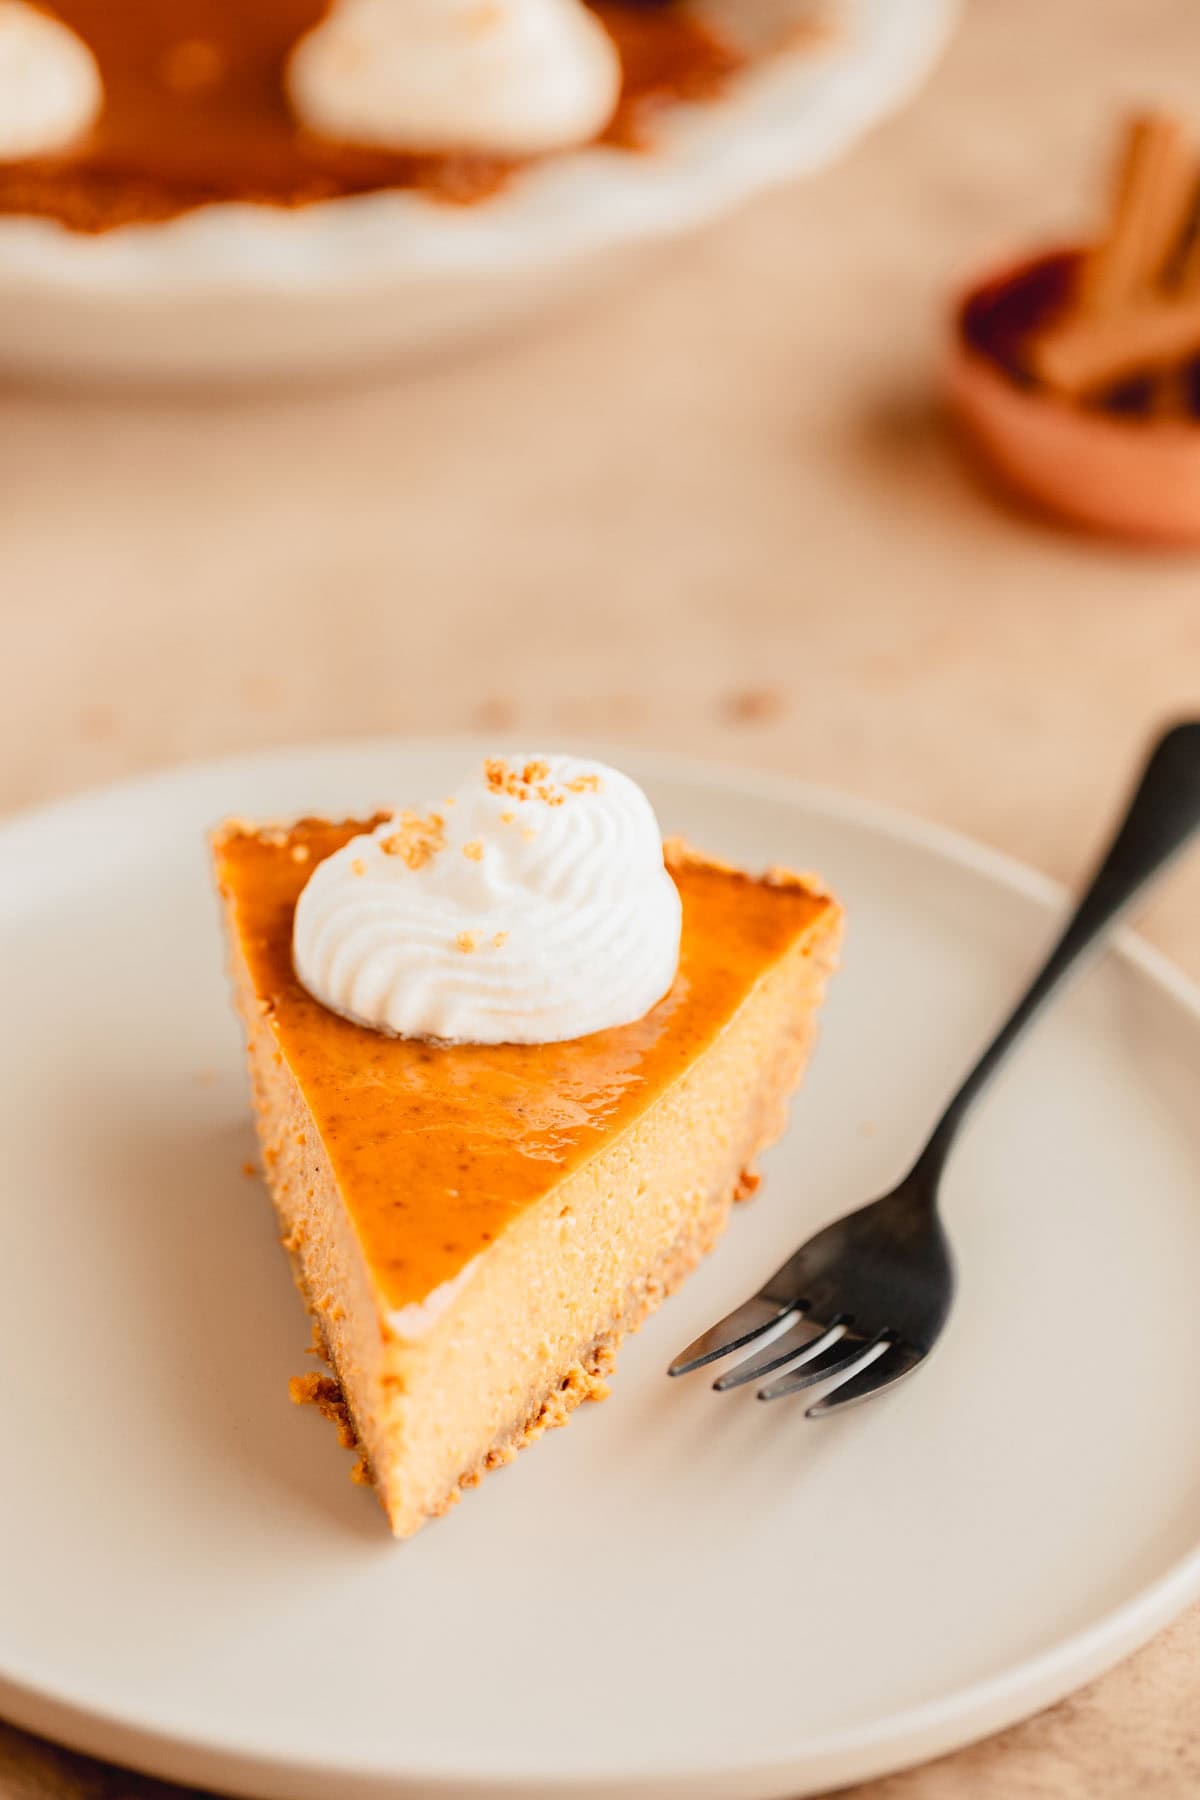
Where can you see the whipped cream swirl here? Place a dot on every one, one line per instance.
(532, 905)
(50, 88)
(508, 77)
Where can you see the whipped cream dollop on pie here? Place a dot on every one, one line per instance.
(50, 87)
(506, 77)
(532, 905)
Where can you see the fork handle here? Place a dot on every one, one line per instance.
(1161, 817)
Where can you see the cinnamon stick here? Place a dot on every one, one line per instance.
(1153, 195)
(1185, 269)
(1084, 354)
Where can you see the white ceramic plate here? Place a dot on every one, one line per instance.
(682, 1594)
(258, 291)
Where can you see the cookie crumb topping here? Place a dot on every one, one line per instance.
(532, 782)
(417, 839)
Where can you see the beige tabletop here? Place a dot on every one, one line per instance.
(717, 510)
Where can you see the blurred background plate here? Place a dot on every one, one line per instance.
(680, 1595)
(255, 291)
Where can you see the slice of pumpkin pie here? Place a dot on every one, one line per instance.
(513, 1060)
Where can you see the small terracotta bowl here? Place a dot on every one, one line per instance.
(1130, 476)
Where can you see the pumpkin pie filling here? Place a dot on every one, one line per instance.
(475, 1226)
(477, 1128)
(195, 111)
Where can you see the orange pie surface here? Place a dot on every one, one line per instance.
(195, 111)
(478, 1130)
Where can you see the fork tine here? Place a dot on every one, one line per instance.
(805, 1335)
(881, 1373)
(845, 1355)
(743, 1325)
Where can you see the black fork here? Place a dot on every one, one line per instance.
(863, 1303)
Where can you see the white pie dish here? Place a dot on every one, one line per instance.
(234, 291)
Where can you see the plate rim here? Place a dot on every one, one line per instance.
(898, 1739)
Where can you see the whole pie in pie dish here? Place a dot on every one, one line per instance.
(512, 1062)
(198, 189)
